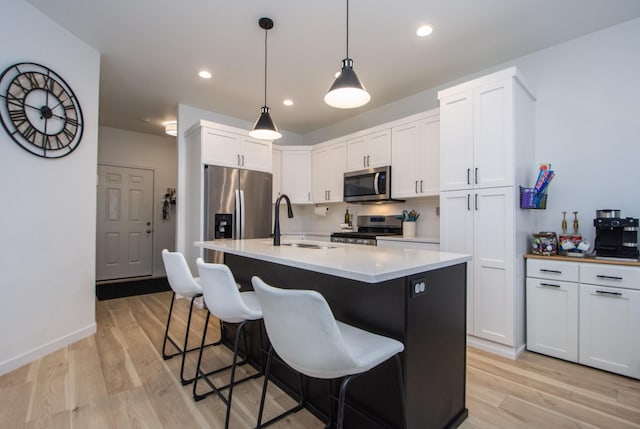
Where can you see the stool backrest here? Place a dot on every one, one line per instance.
(179, 275)
(303, 331)
(221, 293)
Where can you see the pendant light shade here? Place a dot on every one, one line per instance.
(264, 128)
(347, 92)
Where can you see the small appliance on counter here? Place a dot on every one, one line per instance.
(616, 237)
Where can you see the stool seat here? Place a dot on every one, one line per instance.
(367, 349)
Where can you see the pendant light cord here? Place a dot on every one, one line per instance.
(265, 67)
(347, 29)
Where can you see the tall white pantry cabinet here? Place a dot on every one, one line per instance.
(486, 153)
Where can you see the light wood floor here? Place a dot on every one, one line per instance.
(117, 379)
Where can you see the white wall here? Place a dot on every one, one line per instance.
(137, 150)
(587, 122)
(47, 257)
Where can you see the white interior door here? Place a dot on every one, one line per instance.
(124, 216)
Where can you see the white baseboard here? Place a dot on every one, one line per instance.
(34, 354)
(495, 348)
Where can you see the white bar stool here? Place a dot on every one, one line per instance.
(305, 334)
(227, 303)
(184, 284)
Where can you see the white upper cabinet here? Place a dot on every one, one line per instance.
(415, 155)
(296, 173)
(479, 134)
(329, 165)
(369, 150)
(229, 149)
(255, 154)
(277, 172)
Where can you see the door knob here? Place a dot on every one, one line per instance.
(148, 231)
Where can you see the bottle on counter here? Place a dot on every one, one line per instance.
(347, 217)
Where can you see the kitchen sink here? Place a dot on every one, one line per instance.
(309, 245)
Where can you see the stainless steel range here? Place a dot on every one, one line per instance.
(369, 227)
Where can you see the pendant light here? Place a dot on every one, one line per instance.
(347, 92)
(264, 128)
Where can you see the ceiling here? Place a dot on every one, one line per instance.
(151, 50)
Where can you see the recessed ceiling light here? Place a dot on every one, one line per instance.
(288, 102)
(204, 74)
(424, 30)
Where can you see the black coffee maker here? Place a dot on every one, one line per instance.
(616, 237)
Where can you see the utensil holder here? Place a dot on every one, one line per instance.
(409, 229)
(532, 199)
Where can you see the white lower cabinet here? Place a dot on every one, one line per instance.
(585, 312)
(552, 318)
(610, 329)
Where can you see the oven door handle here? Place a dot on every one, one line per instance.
(376, 188)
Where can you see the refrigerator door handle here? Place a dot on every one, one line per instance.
(242, 213)
(237, 214)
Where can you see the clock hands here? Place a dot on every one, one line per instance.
(45, 110)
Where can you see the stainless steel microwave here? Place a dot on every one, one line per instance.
(372, 185)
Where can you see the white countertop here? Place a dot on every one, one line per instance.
(368, 264)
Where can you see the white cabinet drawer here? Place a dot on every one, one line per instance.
(610, 275)
(553, 270)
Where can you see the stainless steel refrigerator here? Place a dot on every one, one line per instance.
(237, 204)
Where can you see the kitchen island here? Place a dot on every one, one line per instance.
(415, 296)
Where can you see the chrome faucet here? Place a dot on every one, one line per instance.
(276, 224)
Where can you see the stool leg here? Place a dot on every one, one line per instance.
(402, 393)
(341, 398)
(165, 356)
(233, 372)
(264, 386)
(197, 376)
(186, 344)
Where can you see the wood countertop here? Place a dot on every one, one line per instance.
(586, 259)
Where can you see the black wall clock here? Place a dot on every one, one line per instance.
(39, 110)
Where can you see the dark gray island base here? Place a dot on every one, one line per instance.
(431, 325)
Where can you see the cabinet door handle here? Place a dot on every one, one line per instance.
(476, 175)
(368, 161)
(476, 201)
(416, 186)
(329, 194)
(468, 173)
(600, 276)
(544, 270)
(421, 191)
(604, 292)
(243, 160)
(364, 161)
(238, 159)
(549, 284)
